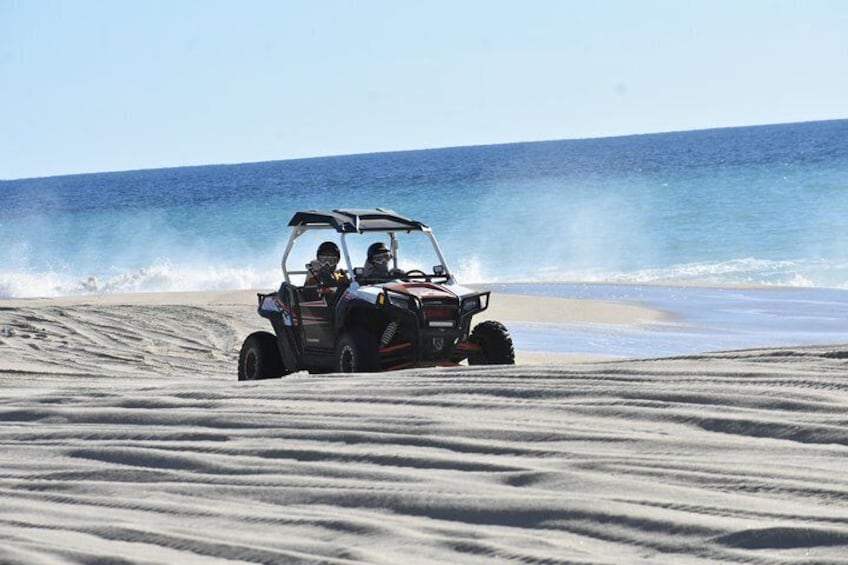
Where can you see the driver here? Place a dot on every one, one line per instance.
(322, 269)
(377, 263)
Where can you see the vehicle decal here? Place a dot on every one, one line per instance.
(424, 291)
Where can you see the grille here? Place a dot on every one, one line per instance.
(439, 313)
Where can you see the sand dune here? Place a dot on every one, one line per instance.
(126, 437)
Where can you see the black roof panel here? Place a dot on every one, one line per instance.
(356, 221)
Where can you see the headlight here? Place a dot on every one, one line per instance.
(398, 300)
(471, 304)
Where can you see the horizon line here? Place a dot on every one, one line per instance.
(418, 149)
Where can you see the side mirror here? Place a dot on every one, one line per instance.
(439, 270)
(358, 271)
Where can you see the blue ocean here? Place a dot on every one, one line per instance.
(760, 205)
(749, 206)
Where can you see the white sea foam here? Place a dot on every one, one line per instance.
(28, 285)
(162, 277)
(167, 276)
(747, 271)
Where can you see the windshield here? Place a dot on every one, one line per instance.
(412, 255)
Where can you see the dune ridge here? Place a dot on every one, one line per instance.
(126, 437)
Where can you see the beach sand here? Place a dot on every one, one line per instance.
(125, 436)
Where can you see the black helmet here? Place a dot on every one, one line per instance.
(376, 249)
(328, 248)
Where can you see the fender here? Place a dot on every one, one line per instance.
(348, 303)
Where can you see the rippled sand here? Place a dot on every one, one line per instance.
(125, 436)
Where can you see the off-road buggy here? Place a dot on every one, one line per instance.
(410, 319)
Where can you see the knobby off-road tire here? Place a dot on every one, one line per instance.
(357, 352)
(259, 358)
(495, 345)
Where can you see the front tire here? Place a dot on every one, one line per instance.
(495, 343)
(259, 358)
(357, 352)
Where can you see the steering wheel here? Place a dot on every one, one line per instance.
(418, 273)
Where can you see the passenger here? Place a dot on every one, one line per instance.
(377, 263)
(322, 269)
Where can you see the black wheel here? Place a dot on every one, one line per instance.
(259, 358)
(495, 345)
(357, 352)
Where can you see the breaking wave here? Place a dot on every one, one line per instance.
(163, 277)
(170, 277)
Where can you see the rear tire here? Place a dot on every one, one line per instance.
(357, 352)
(259, 358)
(495, 343)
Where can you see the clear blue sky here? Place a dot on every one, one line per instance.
(91, 86)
